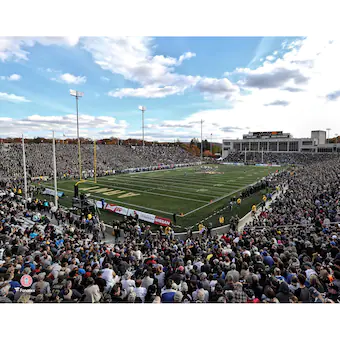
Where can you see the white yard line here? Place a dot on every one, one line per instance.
(162, 170)
(156, 188)
(145, 192)
(187, 182)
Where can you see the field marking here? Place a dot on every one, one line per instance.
(187, 182)
(158, 170)
(150, 193)
(158, 188)
(168, 182)
(120, 202)
(161, 211)
(217, 200)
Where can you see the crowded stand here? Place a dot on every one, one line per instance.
(288, 253)
(109, 158)
(278, 157)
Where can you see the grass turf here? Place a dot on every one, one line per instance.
(187, 191)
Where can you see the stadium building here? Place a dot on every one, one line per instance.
(277, 141)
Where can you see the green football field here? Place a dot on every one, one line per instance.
(192, 193)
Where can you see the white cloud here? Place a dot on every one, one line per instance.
(13, 98)
(51, 70)
(70, 79)
(297, 93)
(15, 48)
(217, 88)
(105, 79)
(146, 92)
(132, 57)
(273, 75)
(12, 77)
(187, 55)
(43, 125)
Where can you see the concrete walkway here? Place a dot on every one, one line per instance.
(249, 218)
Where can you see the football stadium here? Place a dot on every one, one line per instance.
(193, 194)
(97, 206)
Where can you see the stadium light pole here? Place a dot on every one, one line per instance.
(328, 129)
(245, 156)
(95, 161)
(55, 174)
(143, 109)
(211, 143)
(262, 155)
(201, 139)
(78, 95)
(25, 173)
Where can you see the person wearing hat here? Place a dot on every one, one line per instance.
(178, 276)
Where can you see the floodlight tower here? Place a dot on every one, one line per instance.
(78, 95)
(143, 109)
(202, 139)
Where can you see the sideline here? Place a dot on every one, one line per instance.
(249, 218)
(220, 198)
(120, 202)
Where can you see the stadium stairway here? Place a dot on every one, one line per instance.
(249, 218)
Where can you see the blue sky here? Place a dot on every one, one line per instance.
(235, 84)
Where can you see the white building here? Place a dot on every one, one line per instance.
(277, 141)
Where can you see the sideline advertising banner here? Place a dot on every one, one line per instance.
(116, 209)
(51, 192)
(165, 222)
(142, 215)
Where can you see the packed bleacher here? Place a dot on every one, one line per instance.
(288, 254)
(109, 158)
(278, 157)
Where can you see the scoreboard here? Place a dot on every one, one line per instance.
(268, 134)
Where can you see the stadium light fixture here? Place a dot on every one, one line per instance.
(78, 95)
(143, 109)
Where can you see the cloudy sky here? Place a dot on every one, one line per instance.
(235, 85)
